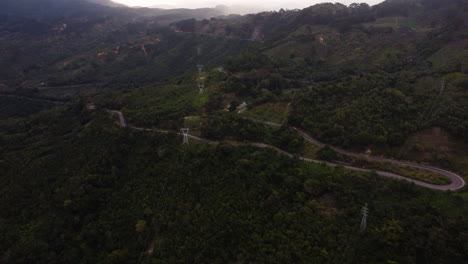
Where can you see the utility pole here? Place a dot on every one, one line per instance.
(198, 50)
(185, 132)
(365, 212)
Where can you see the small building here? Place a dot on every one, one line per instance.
(91, 107)
(242, 108)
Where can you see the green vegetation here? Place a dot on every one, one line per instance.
(75, 187)
(160, 104)
(136, 54)
(232, 126)
(357, 113)
(272, 111)
(112, 194)
(366, 86)
(11, 107)
(327, 153)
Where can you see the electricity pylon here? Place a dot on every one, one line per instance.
(200, 68)
(442, 86)
(365, 212)
(201, 87)
(185, 132)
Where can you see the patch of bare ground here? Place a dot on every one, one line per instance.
(435, 146)
(275, 112)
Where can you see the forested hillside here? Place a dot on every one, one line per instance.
(294, 116)
(358, 77)
(75, 42)
(76, 188)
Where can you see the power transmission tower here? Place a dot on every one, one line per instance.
(201, 87)
(200, 68)
(185, 132)
(442, 86)
(365, 212)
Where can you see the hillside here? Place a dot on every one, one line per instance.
(331, 134)
(356, 77)
(76, 42)
(136, 197)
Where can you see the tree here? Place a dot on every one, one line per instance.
(140, 226)
(327, 153)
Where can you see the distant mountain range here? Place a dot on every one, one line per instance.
(51, 9)
(106, 2)
(223, 9)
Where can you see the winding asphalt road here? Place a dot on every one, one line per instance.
(457, 181)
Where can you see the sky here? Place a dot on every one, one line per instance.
(266, 4)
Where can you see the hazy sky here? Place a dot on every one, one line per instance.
(267, 4)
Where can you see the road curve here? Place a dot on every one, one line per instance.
(457, 181)
(121, 118)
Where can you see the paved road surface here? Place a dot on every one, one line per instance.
(122, 119)
(457, 181)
